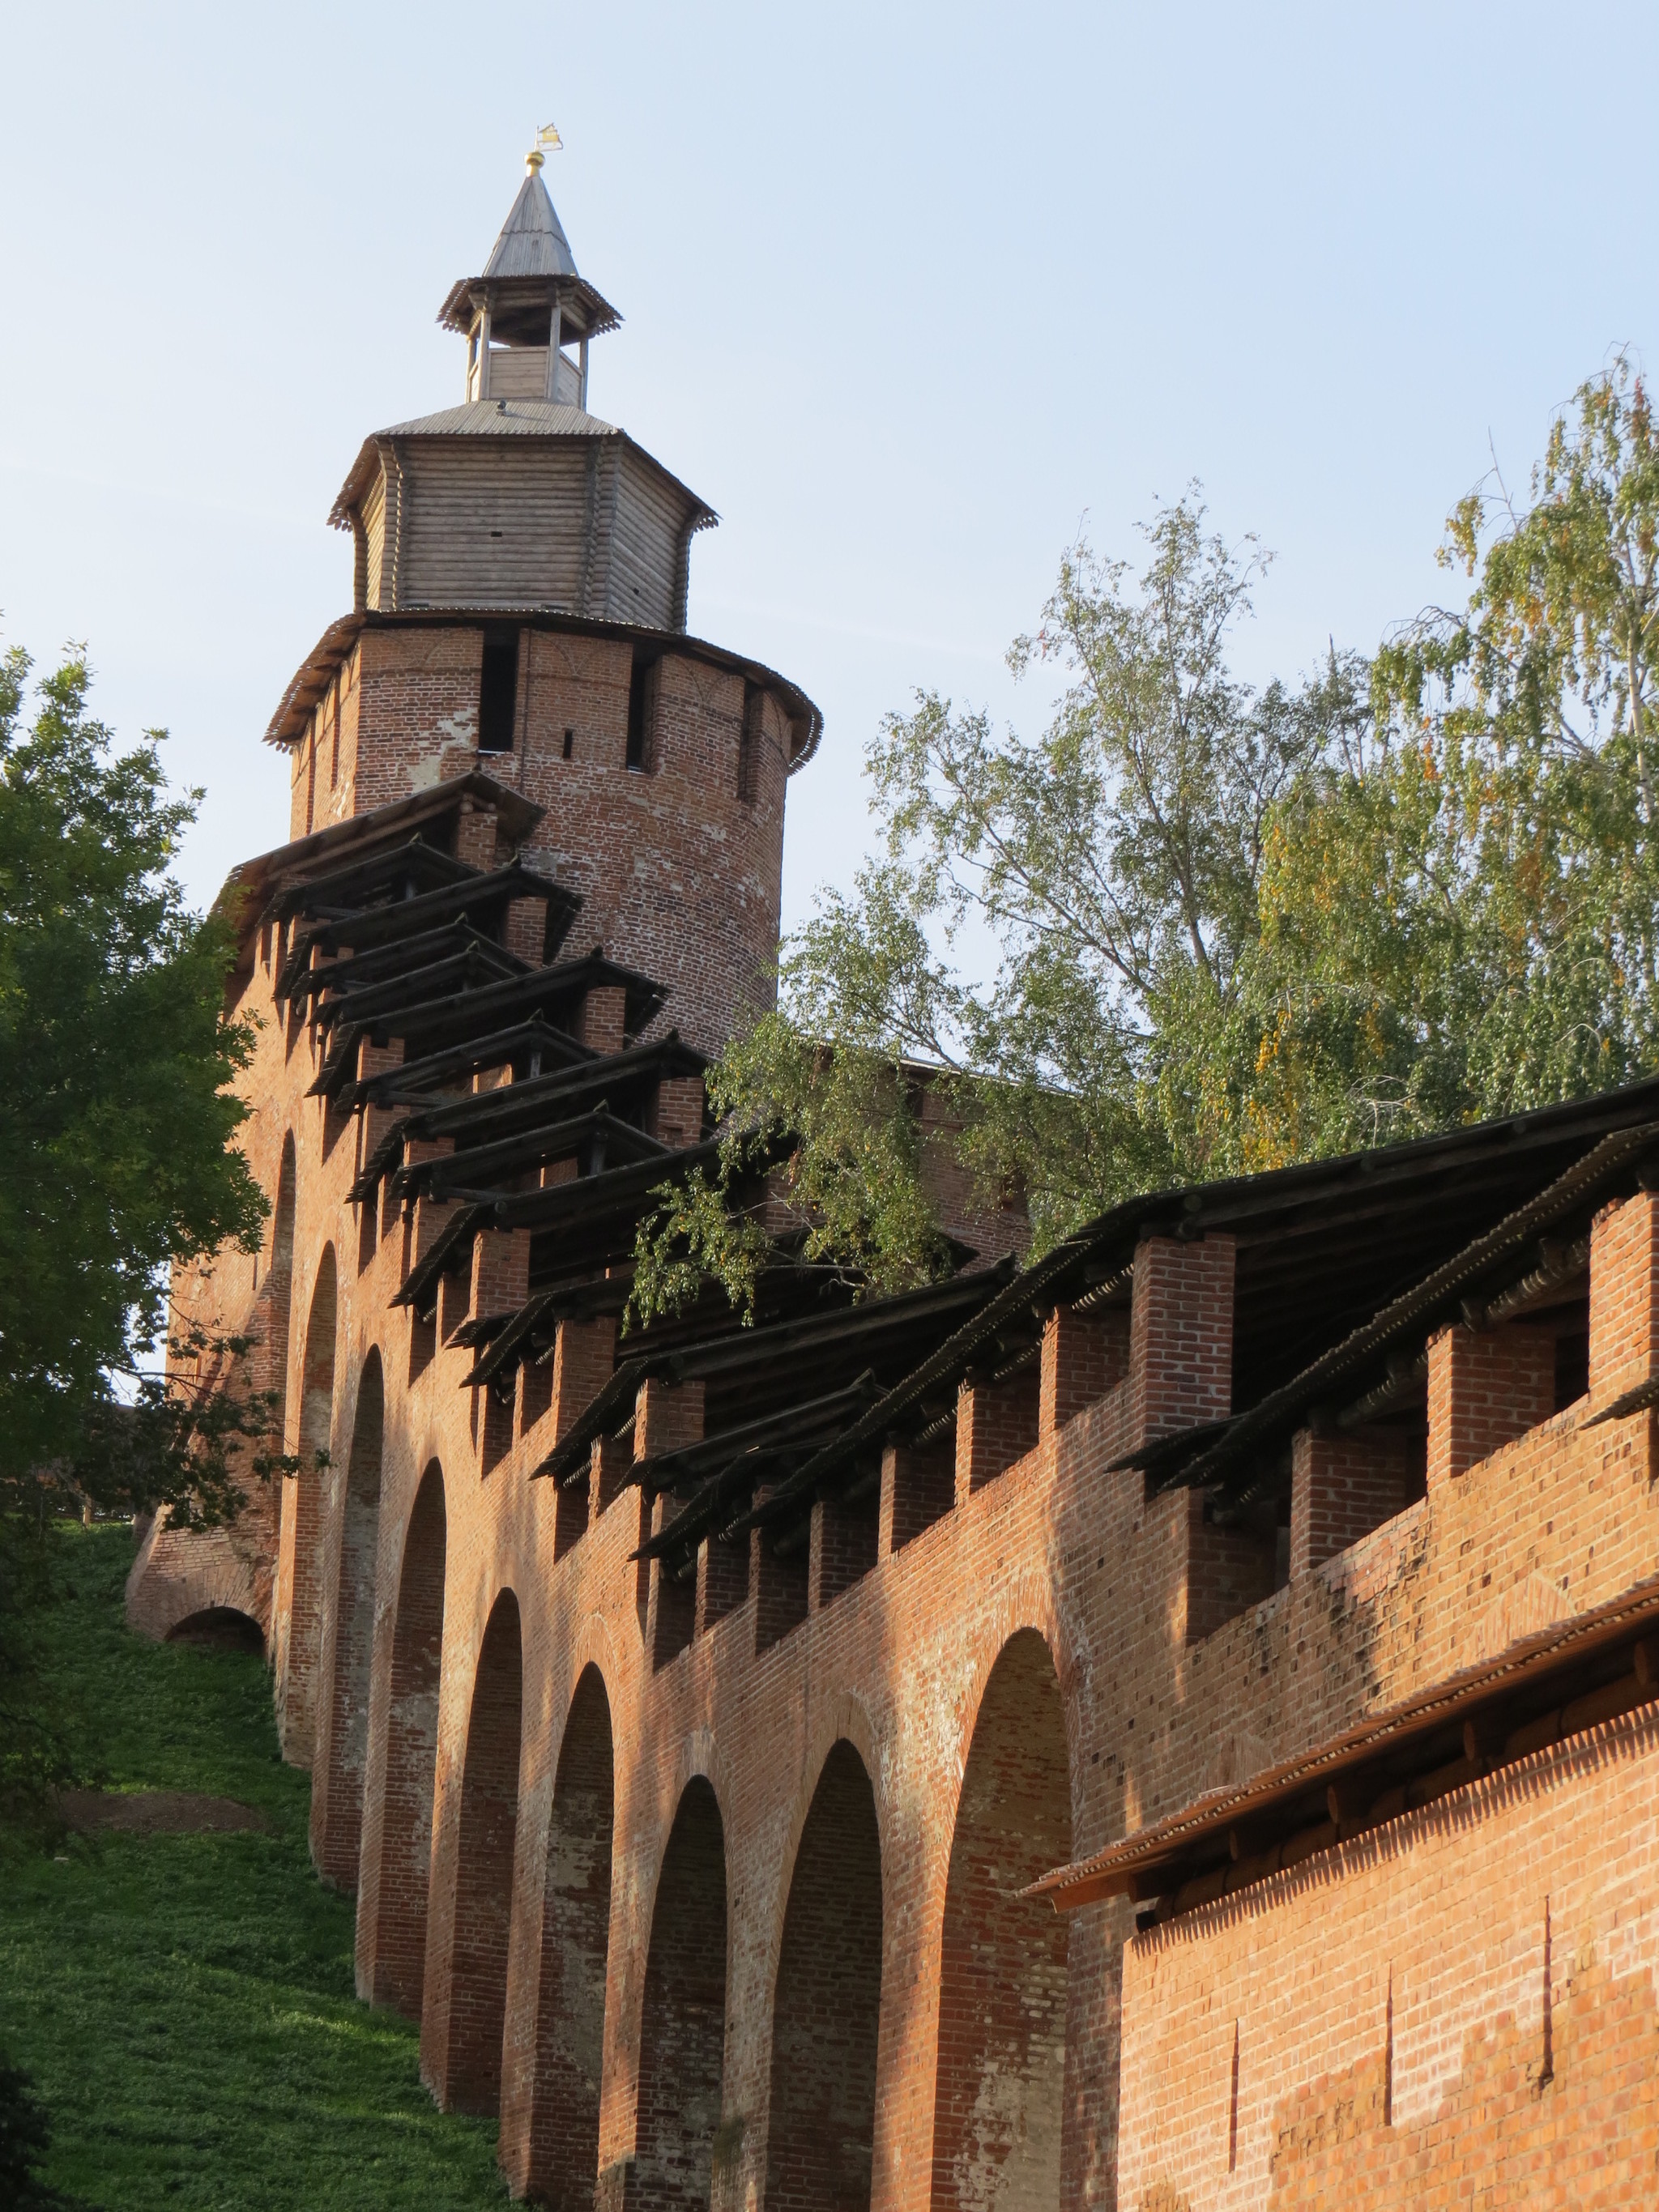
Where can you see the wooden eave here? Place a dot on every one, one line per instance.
(385, 871)
(728, 1467)
(594, 316)
(628, 1190)
(1315, 1245)
(522, 1108)
(473, 894)
(414, 1082)
(599, 1137)
(380, 1162)
(453, 1016)
(616, 1194)
(663, 1059)
(449, 1248)
(402, 960)
(509, 1347)
(777, 1351)
(243, 898)
(1216, 1452)
(288, 723)
(475, 965)
(1542, 1688)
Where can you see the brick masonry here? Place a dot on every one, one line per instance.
(677, 873)
(1457, 2008)
(680, 1881)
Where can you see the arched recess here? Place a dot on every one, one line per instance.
(483, 1879)
(999, 2091)
(278, 1303)
(397, 1966)
(682, 2031)
(303, 1518)
(337, 1808)
(826, 2010)
(219, 1628)
(564, 2126)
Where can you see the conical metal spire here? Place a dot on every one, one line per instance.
(532, 242)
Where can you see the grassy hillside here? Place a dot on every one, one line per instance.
(184, 2001)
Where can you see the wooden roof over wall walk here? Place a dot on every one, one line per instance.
(1566, 1677)
(249, 887)
(1337, 1260)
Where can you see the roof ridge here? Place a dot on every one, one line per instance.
(531, 241)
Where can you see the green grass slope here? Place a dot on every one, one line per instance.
(185, 2003)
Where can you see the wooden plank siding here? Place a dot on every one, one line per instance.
(651, 517)
(586, 525)
(494, 526)
(372, 517)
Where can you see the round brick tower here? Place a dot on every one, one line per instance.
(520, 583)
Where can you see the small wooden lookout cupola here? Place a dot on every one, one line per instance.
(518, 497)
(529, 307)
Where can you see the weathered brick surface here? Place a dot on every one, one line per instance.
(1484, 1386)
(345, 1645)
(1455, 2009)
(678, 874)
(1625, 1321)
(402, 1764)
(471, 1905)
(586, 1816)
(1343, 1486)
(827, 2009)
(996, 1425)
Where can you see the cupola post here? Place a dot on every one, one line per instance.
(528, 307)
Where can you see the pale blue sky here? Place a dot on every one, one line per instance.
(908, 292)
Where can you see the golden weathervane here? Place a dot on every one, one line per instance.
(548, 141)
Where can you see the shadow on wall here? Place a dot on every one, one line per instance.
(827, 2009)
(392, 1925)
(338, 1790)
(999, 2096)
(682, 2033)
(569, 2045)
(483, 1881)
(299, 1573)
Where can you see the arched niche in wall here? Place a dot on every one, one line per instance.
(393, 1949)
(483, 1879)
(826, 2010)
(683, 2029)
(277, 1298)
(999, 2090)
(564, 2120)
(299, 1592)
(338, 1795)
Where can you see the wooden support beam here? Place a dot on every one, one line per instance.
(553, 351)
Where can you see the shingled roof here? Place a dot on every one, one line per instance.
(532, 242)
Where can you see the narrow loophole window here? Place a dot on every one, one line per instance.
(749, 742)
(498, 691)
(569, 743)
(643, 713)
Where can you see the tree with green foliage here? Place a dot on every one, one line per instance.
(1231, 929)
(117, 1162)
(116, 1111)
(1464, 925)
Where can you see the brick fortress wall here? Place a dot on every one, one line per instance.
(678, 873)
(685, 1879)
(577, 1836)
